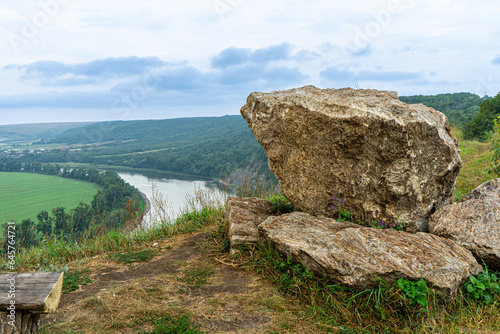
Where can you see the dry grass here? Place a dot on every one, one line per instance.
(230, 300)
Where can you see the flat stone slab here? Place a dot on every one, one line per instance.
(474, 223)
(354, 256)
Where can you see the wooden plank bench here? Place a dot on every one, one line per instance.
(24, 297)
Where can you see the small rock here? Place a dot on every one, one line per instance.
(474, 223)
(353, 255)
(243, 215)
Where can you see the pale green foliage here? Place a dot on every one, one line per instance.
(494, 138)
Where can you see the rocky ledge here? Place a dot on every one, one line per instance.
(474, 223)
(356, 256)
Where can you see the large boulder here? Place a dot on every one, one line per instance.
(354, 256)
(243, 216)
(474, 223)
(389, 159)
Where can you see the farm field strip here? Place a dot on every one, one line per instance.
(23, 195)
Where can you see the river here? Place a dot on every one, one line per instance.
(173, 192)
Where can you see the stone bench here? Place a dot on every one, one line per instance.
(24, 297)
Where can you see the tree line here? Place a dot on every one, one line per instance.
(474, 115)
(114, 204)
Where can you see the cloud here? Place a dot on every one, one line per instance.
(234, 56)
(362, 52)
(496, 60)
(271, 53)
(388, 75)
(230, 57)
(334, 74)
(283, 75)
(138, 85)
(265, 75)
(104, 68)
(73, 99)
(180, 78)
(306, 55)
(238, 75)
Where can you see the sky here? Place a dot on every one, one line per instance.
(95, 60)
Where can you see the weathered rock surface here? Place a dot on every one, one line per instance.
(354, 256)
(243, 216)
(474, 223)
(396, 160)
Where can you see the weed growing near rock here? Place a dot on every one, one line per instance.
(414, 291)
(485, 287)
(281, 204)
(345, 215)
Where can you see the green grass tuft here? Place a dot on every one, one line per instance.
(197, 276)
(281, 204)
(74, 279)
(131, 257)
(170, 325)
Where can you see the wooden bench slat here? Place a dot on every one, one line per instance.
(35, 292)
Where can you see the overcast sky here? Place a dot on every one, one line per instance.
(96, 60)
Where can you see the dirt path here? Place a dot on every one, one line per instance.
(187, 278)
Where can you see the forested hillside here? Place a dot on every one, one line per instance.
(36, 131)
(205, 146)
(458, 107)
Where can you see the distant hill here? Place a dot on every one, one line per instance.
(19, 132)
(205, 146)
(460, 108)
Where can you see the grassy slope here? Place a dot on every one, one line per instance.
(475, 157)
(23, 195)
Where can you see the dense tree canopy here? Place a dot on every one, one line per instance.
(460, 108)
(482, 123)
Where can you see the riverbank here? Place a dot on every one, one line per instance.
(133, 169)
(147, 201)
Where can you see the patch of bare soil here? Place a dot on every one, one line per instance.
(186, 276)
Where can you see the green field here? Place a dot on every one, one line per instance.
(24, 195)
